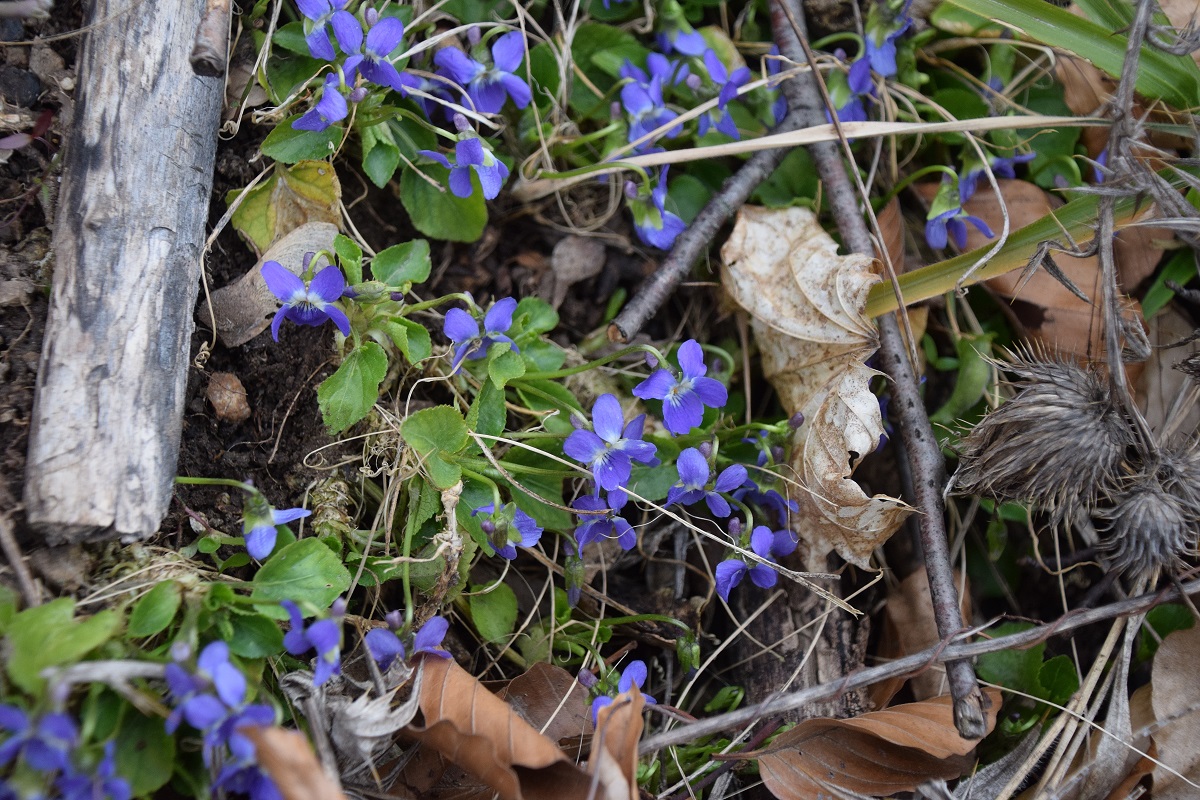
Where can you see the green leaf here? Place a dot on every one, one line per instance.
(411, 338)
(794, 182)
(653, 483)
(304, 570)
(255, 636)
(1180, 268)
(534, 315)
(505, 367)
(307, 191)
(350, 256)
(402, 265)
(291, 38)
(488, 414)
(410, 135)
(436, 212)
(1161, 622)
(347, 395)
(381, 156)
(8, 608)
(155, 611)
(543, 356)
(431, 432)
(1014, 669)
(145, 753)
(1058, 680)
(49, 636)
(549, 487)
(542, 395)
(1175, 79)
(494, 613)
(288, 145)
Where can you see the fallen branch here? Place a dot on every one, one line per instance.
(907, 666)
(920, 444)
(137, 174)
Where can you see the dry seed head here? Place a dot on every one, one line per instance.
(1057, 442)
(1152, 524)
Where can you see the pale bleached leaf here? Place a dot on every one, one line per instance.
(806, 307)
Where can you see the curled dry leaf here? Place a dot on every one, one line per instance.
(289, 760)
(477, 731)
(876, 754)
(550, 699)
(806, 307)
(615, 753)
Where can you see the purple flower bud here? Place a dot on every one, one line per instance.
(777, 453)
(615, 110)
(397, 296)
(338, 609)
(307, 261)
(587, 679)
(631, 191)
(473, 35)
(796, 420)
(651, 360)
(181, 650)
(693, 82)
(705, 449)
(735, 527)
(461, 124)
(358, 95)
(394, 620)
(371, 16)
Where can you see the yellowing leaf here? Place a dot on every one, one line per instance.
(806, 306)
(304, 192)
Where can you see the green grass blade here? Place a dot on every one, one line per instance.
(1173, 79)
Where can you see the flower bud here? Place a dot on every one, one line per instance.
(338, 609)
(574, 576)
(371, 16)
(651, 361)
(693, 82)
(461, 124)
(631, 190)
(473, 35)
(615, 111)
(587, 679)
(796, 420)
(394, 620)
(488, 527)
(687, 650)
(181, 650)
(358, 95)
(735, 528)
(706, 449)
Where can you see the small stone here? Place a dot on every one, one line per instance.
(18, 86)
(15, 292)
(228, 397)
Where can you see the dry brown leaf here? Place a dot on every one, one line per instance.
(550, 699)
(1175, 698)
(615, 754)
(476, 730)
(289, 759)
(891, 225)
(876, 754)
(806, 307)
(1162, 390)
(911, 625)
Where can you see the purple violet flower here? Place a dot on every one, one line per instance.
(103, 783)
(594, 525)
(693, 482)
(765, 544)
(306, 305)
(953, 223)
(608, 450)
(463, 331)
(383, 37)
(470, 154)
(258, 524)
(634, 674)
(323, 13)
(506, 526)
(323, 635)
(885, 24)
(679, 36)
(642, 98)
(1002, 167)
(851, 92)
(768, 500)
(654, 225)
(45, 745)
(684, 398)
(385, 646)
(779, 107)
(728, 84)
(329, 109)
(489, 87)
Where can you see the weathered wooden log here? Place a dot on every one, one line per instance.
(137, 174)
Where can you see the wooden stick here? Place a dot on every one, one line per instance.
(210, 51)
(137, 175)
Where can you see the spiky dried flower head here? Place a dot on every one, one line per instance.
(1152, 524)
(1057, 443)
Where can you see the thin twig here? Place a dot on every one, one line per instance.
(912, 664)
(12, 552)
(690, 244)
(920, 444)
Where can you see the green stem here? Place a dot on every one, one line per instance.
(245, 487)
(415, 307)
(486, 466)
(473, 475)
(908, 180)
(647, 618)
(414, 492)
(566, 372)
